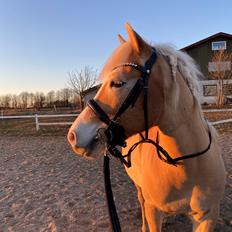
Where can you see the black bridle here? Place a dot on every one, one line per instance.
(114, 135)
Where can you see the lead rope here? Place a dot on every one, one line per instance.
(115, 224)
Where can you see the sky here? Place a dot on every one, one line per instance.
(41, 41)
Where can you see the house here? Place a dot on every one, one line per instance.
(202, 52)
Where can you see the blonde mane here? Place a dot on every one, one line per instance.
(184, 64)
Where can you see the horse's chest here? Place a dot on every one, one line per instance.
(170, 200)
(169, 192)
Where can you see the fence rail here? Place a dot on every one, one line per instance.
(18, 117)
(217, 110)
(221, 121)
(37, 116)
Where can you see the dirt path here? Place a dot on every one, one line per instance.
(44, 187)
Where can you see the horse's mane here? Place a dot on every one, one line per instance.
(184, 64)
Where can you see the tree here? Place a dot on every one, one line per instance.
(74, 99)
(80, 81)
(31, 100)
(220, 69)
(14, 101)
(65, 96)
(50, 98)
(5, 101)
(24, 99)
(39, 99)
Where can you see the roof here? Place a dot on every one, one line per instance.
(95, 87)
(206, 40)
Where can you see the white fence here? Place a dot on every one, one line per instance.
(37, 116)
(38, 124)
(219, 121)
(217, 110)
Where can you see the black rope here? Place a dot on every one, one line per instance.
(110, 198)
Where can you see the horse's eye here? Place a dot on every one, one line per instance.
(117, 84)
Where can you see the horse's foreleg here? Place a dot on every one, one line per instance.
(205, 221)
(154, 218)
(141, 201)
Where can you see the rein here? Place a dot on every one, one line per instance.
(114, 135)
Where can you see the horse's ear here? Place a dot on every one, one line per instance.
(135, 39)
(121, 39)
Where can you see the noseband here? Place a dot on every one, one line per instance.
(114, 134)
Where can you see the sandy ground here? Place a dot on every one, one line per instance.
(44, 187)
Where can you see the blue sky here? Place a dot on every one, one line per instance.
(42, 40)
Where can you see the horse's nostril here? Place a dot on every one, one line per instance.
(72, 138)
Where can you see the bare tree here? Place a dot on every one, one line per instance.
(39, 99)
(5, 101)
(24, 99)
(14, 101)
(31, 100)
(74, 99)
(65, 96)
(80, 81)
(50, 98)
(220, 69)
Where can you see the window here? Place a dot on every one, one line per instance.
(209, 90)
(227, 89)
(219, 45)
(219, 66)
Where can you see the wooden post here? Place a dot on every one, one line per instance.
(36, 122)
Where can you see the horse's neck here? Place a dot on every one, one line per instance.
(182, 129)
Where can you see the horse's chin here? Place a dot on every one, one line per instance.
(92, 154)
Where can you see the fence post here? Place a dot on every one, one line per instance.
(36, 122)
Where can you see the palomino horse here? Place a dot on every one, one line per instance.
(192, 186)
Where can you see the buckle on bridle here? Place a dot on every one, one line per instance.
(115, 134)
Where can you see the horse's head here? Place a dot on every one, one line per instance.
(117, 82)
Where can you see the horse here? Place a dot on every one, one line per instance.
(192, 186)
